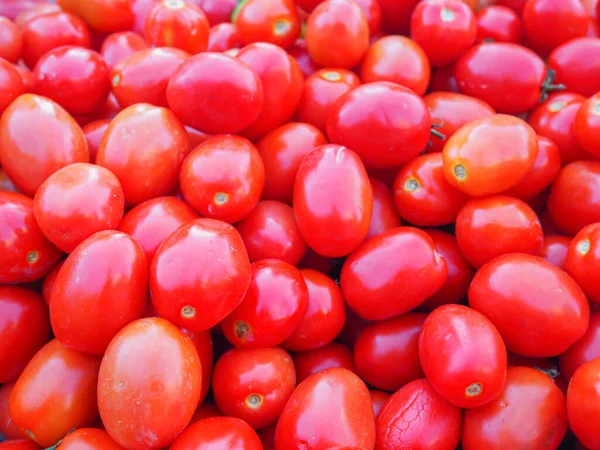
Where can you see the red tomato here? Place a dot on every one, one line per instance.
(584, 350)
(413, 271)
(372, 12)
(206, 409)
(215, 93)
(48, 283)
(105, 16)
(11, 84)
(6, 184)
(26, 78)
(271, 231)
(444, 79)
(587, 125)
(555, 250)
(299, 52)
(337, 34)
(574, 63)
(273, 21)
(212, 287)
(267, 437)
(217, 11)
(8, 429)
(378, 398)
(178, 24)
(11, 41)
(19, 444)
(142, 77)
(499, 293)
(445, 29)
(499, 24)
(88, 439)
(254, 385)
(516, 5)
(94, 132)
(149, 384)
(583, 260)
(417, 417)
(31, 11)
(490, 155)
(216, 433)
(222, 37)
(118, 46)
(44, 404)
(329, 408)
(583, 404)
(384, 216)
(273, 307)
(528, 393)
(25, 253)
(153, 172)
(330, 356)
(202, 340)
(395, 15)
(386, 124)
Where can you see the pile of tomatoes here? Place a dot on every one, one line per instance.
(299, 224)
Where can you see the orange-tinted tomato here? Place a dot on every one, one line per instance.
(273, 21)
(104, 16)
(216, 433)
(88, 439)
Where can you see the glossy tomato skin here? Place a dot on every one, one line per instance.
(330, 356)
(12, 84)
(586, 125)
(205, 410)
(300, 54)
(202, 340)
(215, 93)
(94, 132)
(164, 139)
(223, 37)
(89, 439)
(32, 11)
(149, 384)
(48, 283)
(336, 224)
(217, 11)
(7, 427)
(19, 444)
(386, 124)
(24, 328)
(32, 255)
(254, 385)
(574, 64)
(378, 398)
(499, 424)
(526, 328)
(583, 260)
(215, 432)
(28, 162)
(118, 46)
(332, 407)
(584, 350)
(47, 407)
(11, 40)
(443, 79)
(555, 250)
(104, 16)
(200, 274)
(582, 404)
(500, 24)
(273, 21)
(413, 271)
(384, 216)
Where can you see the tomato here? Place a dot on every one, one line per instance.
(6, 185)
(580, 180)
(444, 29)
(413, 271)
(444, 79)
(19, 444)
(490, 155)
(202, 340)
(45, 32)
(583, 260)
(11, 84)
(582, 404)
(31, 11)
(216, 433)
(527, 327)
(178, 24)
(282, 86)
(88, 439)
(215, 93)
(555, 250)
(548, 24)
(154, 172)
(217, 11)
(149, 384)
(586, 125)
(337, 34)
(213, 286)
(206, 409)
(574, 63)
(222, 37)
(273, 21)
(282, 151)
(299, 52)
(26, 78)
(271, 231)
(267, 437)
(499, 24)
(11, 41)
(94, 132)
(105, 16)
(378, 399)
(118, 46)
(417, 417)
(396, 14)
(25, 253)
(423, 196)
(48, 283)
(516, 5)
(58, 141)
(499, 424)
(399, 60)
(329, 408)
(142, 77)
(8, 429)
(46, 406)
(583, 351)
(384, 216)
(330, 356)
(254, 385)
(320, 91)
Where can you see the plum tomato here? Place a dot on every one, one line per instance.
(88, 439)
(199, 274)
(94, 132)
(44, 405)
(499, 24)
(508, 289)
(118, 46)
(30, 159)
(315, 361)
(397, 59)
(386, 124)
(104, 16)
(555, 250)
(337, 34)
(332, 407)
(444, 29)
(149, 384)
(378, 399)
(273, 21)
(583, 261)
(223, 37)
(11, 84)
(8, 429)
(216, 433)
(254, 385)
(384, 216)
(583, 403)
(574, 64)
(392, 273)
(416, 416)
(25, 253)
(584, 350)
(299, 52)
(490, 155)
(587, 125)
(272, 308)
(528, 393)
(336, 224)
(11, 40)
(154, 171)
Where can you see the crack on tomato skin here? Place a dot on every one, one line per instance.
(416, 410)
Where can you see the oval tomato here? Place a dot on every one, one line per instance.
(574, 64)
(88, 439)
(216, 433)
(8, 429)
(583, 260)
(499, 24)
(315, 361)
(11, 40)
(120, 45)
(12, 85)
(273, 21)
(104, 16)
(584, 350)
(583, 401)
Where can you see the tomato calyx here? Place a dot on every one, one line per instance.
(55, 446)
(236, 11)
(435, 132)
(549, 86)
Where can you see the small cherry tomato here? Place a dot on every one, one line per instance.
(8, 429)
(216, 433)
(499, 24)
(299, 52)
(584, 350)
(88, 439)
(583, 403)
(105, 16)
(11, 84)
(583, 260)
(555, 250)
(118, 46)
(94, 132)
(222, 37)
(499, 293)
(384, 216)
(574, 63)
(587, 125)
(273, 21)
(11, 41)
(443, 79)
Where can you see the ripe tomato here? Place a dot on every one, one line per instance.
(273, 21)
(19, 444)
(206, 409)
(500, 423)
(582, 404)
(329, 408)
(198, 296)
(499, 24)
(396, 14)
(94, 132)
(8, 429)
(222, 37)
(28, 160)
(299, 52)
(31, 11)
(217, 11)
(6, 185)
(118, 46)
(315, 361)
(44, 405)
(336, 224)
(48, 283)
(417, 416)
(11, 86)
(527, 328)
(254, 385)
(443, 79)
(202, 340)
(583, 260)
(586, 125)
(555, 250)
(216, 433)
(413, 271)
(25, 253)
(149, 384)
(372, 12)
(384, 216)
(88, 439)
(584, 350)
(104, 16)
(574, 63)
(11, 41)
(378, 399)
